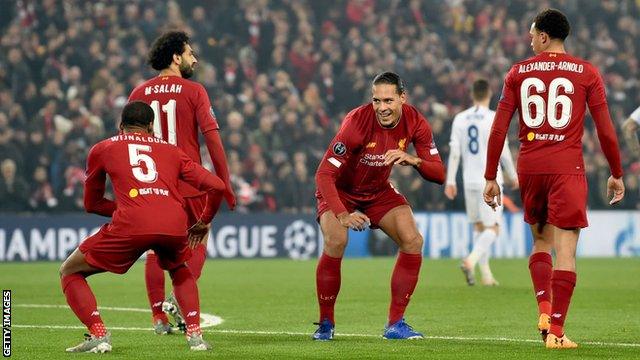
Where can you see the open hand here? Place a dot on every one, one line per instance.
(196, 233)
(394, 157)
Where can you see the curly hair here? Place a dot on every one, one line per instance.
(554, 23)
(164, 47)
(136, 113)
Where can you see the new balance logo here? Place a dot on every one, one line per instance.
(540, 293)
(556, 315)
(157, 304)
(192, 313)
(95, 313)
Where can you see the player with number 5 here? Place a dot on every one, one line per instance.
(181, 107)
(551, 92)
(148, 213)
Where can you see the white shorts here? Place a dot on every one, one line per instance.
(478, 210)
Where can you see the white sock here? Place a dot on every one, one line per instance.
(481, 246)
(473, 257)
(483, 263)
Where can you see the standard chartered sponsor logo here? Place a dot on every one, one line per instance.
(373, 159)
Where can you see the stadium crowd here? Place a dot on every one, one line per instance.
(281, 74)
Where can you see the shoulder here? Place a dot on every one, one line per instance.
(101, 147)
(412, 113)
(360, 117)
(192, 86)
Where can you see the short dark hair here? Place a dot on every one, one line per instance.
(136, 113)
(390, 78)
(164, 47)
(554, 23)
(480, 89)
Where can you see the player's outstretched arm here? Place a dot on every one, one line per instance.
(94, 186)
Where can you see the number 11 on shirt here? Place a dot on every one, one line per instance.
(170, 109)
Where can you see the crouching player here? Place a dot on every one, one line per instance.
(353, 191)
(147, 214)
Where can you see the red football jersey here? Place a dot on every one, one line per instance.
(551, 92)
(144, 172)
(355, 158)
(181, 107)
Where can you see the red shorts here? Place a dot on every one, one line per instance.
(375, 207)
(117, 253)
(559, 199)
(195, 205)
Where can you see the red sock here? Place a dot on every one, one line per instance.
(196, 262)
(83, 303)
(403, 281)
(541, 267)
(154, 279)
(328, 285)
(186, 292)
(562, 284)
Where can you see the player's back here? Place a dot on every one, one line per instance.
(144, 172)
(180, 107)
(551, 92)
(471, 129)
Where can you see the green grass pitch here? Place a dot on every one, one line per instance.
(268, 307)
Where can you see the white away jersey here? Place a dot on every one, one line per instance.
(469, 139)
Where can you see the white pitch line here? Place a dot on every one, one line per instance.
(287, 333)
(206, 320)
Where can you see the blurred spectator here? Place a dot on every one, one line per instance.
(14, 190)
(42, 198)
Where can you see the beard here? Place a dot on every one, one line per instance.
(186, 70)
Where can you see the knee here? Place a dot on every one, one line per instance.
(334, 245)
(412, 244)
(64, 270)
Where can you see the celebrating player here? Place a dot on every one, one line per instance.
(469, 136)
(147, 214)
(181, 107)
(353, 191)
(551, 91)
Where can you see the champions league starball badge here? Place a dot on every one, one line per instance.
(339, 149)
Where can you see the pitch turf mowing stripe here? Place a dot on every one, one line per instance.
(287, 333)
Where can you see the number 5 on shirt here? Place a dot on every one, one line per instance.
(136, 159)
